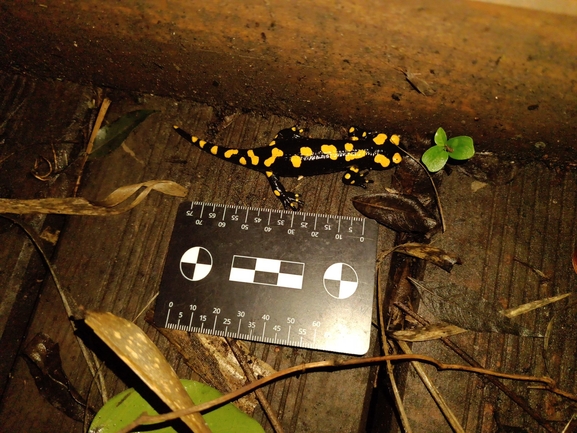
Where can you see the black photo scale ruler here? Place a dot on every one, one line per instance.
(271, 276)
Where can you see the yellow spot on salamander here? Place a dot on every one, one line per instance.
(194, 139)
(277, 193)
(268, 173)
(349, 147)
(354, 138)
(296, 161)
(361, 153)
(330, 150)
(351, 129)
(395, 139)
(242, 160)
(306, 151)
(214, 150)
(201, 143)
(272, 143)
(354, 169)
(380, 139)
(276, 152)
(253, 157)
(230, 152)
(383, 160)
(347, 175)
(397, 158)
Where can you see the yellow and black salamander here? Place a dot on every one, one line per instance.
(290, 154)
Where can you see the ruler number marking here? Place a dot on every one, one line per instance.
(221, 325)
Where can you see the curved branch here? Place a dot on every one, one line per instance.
(547, 383)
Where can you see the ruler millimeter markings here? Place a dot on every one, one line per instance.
(288, 278)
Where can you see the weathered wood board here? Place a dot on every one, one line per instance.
(502, 74)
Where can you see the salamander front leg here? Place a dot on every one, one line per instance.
(289, 200)
(354, 176)
(293, 133)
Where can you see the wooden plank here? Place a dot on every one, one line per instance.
(55, 141)
(508, 88)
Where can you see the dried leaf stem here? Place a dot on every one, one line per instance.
(437, 196)
(520, 401)
(406, 426)
(69, 306)
(384, 344)
(433, 390)
(548, 383)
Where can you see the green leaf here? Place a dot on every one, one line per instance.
(111, 137)
(462, 147)
(125, 407)
(435, 158)
(440, 137)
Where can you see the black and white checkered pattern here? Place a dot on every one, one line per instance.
(270, 272)
(196, 263)
(340, 280)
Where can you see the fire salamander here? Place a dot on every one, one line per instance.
(290, 154)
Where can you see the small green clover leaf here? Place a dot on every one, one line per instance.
(435, 158)
(458, 148)
(462, 147)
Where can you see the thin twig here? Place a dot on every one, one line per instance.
(437, 196)
(67, 301)
(520, 401)
(99, 119)
(549, 384)
(406, 426)
(266, 407)
(145, 308)
(568, 424)
(435, 394)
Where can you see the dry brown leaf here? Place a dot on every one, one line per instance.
(399, 212)
(45, 365)
(114, 204)
(574, 260)
(530, 306)
(134, 347)
(465, 308)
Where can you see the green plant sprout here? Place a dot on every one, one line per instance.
(458, 148)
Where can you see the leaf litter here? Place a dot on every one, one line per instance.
(466, 309)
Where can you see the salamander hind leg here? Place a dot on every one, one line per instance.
(354, 176)
(289, 200)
